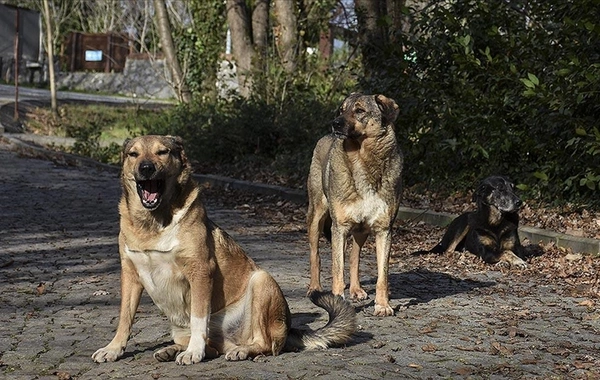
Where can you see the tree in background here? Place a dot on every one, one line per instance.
(287, 34)
(239, 18)
(48, 19)
(201, 46)
(170, 51)
(261, 44)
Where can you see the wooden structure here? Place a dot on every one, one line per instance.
(106, 52)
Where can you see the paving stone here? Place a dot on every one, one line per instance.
(59, 227)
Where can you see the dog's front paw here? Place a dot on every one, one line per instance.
(107, 354)
(188, 357)
(358, 294)
(312, 289)
(508, 258)
(383, 310)
(519, 263)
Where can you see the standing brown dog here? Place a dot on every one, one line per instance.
(216, 298)
(354, 188)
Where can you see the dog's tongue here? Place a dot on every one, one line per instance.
(149, 190)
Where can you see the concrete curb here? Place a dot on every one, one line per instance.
(440, 219)
(285, 193)
(533, 234)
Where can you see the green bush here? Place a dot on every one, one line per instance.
(501, 87)
(276, 135)
(275, 130)
(484, 87)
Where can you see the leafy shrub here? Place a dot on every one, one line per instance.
(501, 87)
(276, 128)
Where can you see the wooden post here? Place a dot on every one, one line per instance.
(74, 50)
(107, 63)
(16, 114)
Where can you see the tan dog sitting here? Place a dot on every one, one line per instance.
(216, 298)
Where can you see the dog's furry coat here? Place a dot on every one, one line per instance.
(491, 231)
(216, 298)
(354, 188)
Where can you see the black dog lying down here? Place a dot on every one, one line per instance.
(490, 232)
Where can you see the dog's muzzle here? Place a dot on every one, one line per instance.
(509, 204)
(339, 128)
(149, 189)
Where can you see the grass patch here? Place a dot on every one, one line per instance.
(98, 129)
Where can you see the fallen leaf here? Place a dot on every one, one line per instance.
(390, 358)
(573, 257)
(463, 371)
(41, 288)
(62, 375)
(587, 303)
(429, 348)
(582, 365)
(497, 348)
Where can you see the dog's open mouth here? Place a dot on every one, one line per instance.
(339, 134)
(150, 192)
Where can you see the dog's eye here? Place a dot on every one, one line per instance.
(163, 152)
(133, 154)
(359, 111)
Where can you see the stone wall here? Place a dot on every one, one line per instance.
(142, 78)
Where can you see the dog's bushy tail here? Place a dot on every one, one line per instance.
(337, 331)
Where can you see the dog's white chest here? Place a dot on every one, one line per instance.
(370, 205)
(165, 283)
(370, 208)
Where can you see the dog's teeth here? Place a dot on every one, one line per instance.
(150, 197)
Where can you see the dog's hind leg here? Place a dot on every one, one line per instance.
(356, 291)
(181, 338)
(261, 324)
(455, 235)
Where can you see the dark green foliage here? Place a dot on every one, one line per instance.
(280, 135)
(87, 142)
(505, 87)
(200, 45)
(484, 87)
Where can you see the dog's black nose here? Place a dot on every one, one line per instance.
(147, 169)
(337, 123)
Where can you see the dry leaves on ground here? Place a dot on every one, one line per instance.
(573, 274)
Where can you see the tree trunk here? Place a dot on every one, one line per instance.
(285, 12)
(168, 48)
(260, 29)
(50, 51)
(241, 43)
(372, 34)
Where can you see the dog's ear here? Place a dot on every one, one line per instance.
(178, 149)
(389, 108)
(124, 149)
(480, 193)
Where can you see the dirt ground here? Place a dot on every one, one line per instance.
(455, 317)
